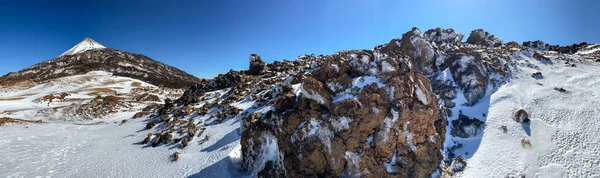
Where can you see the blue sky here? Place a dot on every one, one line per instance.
(205, 38)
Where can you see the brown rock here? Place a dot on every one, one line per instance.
(521, 116)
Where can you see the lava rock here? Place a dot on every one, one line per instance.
(481, 37)
(257, 66)
(521, 116)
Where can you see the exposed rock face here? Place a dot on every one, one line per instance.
(466, 127)
(257, 66)
(229, 79)
(444, 38)
(481, 37)
(117, 62)
(535, 44)
(361, 113)
(570, 49)
(424, 55)
(469, 73)
(512, 44)
(382, 125)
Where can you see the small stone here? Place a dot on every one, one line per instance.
(521, 116)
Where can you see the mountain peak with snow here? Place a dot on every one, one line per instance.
(84, 45)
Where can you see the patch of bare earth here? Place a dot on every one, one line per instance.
(6, 120)
(11, 99)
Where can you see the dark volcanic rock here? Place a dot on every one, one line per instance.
(481, 37)
(466, 127)
(470, 74)
(535, 44)
(320, 137)
(521, 116)
(257, 66)
(444, 38)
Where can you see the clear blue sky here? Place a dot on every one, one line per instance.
(205, 38)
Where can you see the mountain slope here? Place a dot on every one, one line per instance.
(86, 44)
(426, 104)
(90, 56)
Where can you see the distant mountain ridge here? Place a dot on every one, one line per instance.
(90, 55)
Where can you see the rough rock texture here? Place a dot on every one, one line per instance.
(521, 116)
(570, 49)
(444, 38)
(356, 113)
(117, 62)
(388, 121)
(465, 127)
(470, 74)
(230, 79)
(423, 54)
(257, 66)
(481, 37)
(535, 44)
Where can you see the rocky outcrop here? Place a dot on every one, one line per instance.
(465, 127)
(356, 113)
(376, 124)
(423, 54)
(444, 38)
(570, 49)
(535, 44)
(470, 75)
(481, 37)
(257, 66)
(229, 79)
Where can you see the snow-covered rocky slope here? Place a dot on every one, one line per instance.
(424, 105)
(81, 97)
(562, 138)
(86, 44)
(89, 56)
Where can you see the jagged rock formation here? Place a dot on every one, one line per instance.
(115, 61)
(356, 113)
(257, 66)
(339, 128)
(481, 37)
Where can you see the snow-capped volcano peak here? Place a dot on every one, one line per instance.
(82, 46)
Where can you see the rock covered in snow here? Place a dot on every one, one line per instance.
(444, 38)
(535, 44)
(332, 127)
(481, 37)
(470, 74)
(424, 55)
(466, 127)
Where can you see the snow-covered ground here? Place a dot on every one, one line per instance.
(26, 104)
(102, 148)
(563, 131)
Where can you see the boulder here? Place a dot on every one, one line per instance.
(465, 127)
(537, 75)
(444, 38)
(481, 37)
(521, 116)
(470, 75)
(257, 66)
